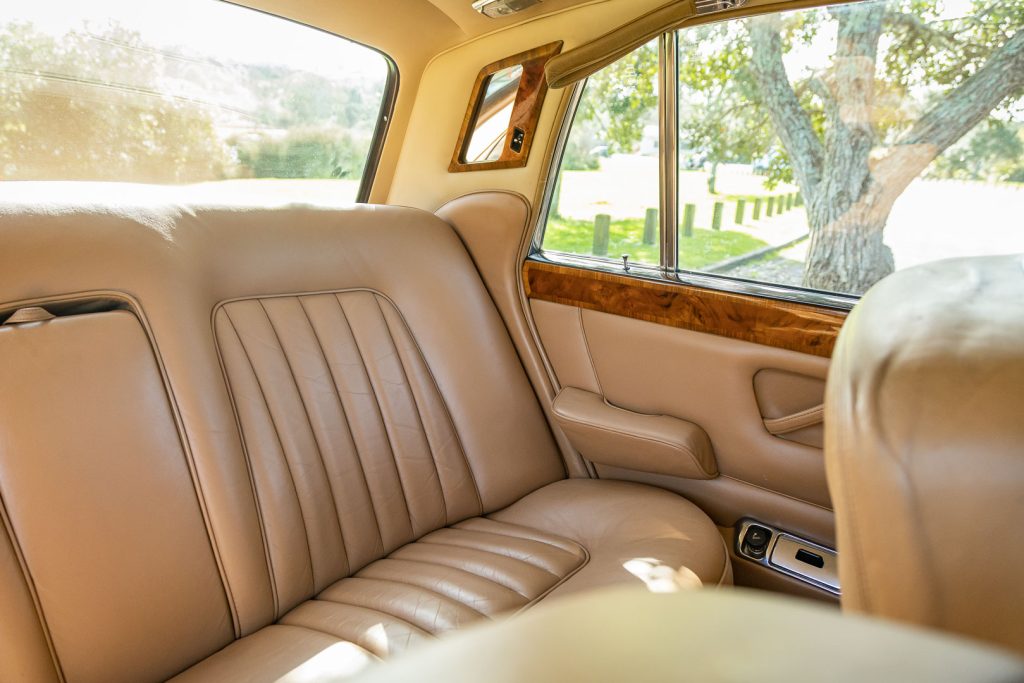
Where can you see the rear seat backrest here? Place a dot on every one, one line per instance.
(390, 304)
(347, 434)
(99, 499)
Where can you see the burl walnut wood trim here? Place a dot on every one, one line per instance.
(783, 324)
(533, 86)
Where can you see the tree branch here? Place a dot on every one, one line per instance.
(955, 114)
(791, 122)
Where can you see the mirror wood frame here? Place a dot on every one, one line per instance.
(533, 88)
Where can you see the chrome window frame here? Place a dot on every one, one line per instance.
(667, 271)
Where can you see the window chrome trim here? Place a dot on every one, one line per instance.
(555, 165)
(659, 273)
(668, 152)
(724, 283)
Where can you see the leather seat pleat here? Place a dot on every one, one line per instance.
(481, 594)
(462, 499)
(377, 632)
(426, 609)
(418, 474)
(524, 578)
(280, 514)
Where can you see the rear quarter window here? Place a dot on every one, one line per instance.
(222, 101)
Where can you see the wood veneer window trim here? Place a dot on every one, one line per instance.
(781, 324)
(525, 112)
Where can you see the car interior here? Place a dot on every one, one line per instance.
(512, 340)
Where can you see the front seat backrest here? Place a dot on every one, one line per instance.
(924, 447)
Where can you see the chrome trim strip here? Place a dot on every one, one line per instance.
(724, 283)
(766, 561)
(668, 151)
(551, 179)
(380, 131)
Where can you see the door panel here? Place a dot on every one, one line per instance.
(738, 391)
(702, 378)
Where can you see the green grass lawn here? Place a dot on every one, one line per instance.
(625, 236)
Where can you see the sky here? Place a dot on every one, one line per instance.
(213, 28)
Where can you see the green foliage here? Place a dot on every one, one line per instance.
(63, 118)
(622, 98)
(577, 156)
(626, 237)
(303, 153)
(102, 104)
(716, 88)
(993, 151)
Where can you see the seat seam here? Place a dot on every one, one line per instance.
(387, 432)
(444, 404)
(583, 563)
(464, 571)
(30, 584)
(312, 432)
(399, 619)
(419, 413)
(411, 585)
(355, 444)
(489, 552)
(265, 536)
(277, 434)
(523, 538)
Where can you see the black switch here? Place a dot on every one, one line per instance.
(518, 138)
(755, 542)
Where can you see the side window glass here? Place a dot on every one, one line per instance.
(225, 103)
(605, 201)
(836, 145)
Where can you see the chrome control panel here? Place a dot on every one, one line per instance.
(791, 555)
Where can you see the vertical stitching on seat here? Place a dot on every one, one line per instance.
(348, 423)
(387, 432)
(31, 585)
(444, 405)
(277, 434)
(264, 536)
(312, 431)
(341, 407)
(419, 413)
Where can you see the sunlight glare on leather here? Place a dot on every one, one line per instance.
(336, 661)
(660, 577)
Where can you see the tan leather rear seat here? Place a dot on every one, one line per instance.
(301, 437)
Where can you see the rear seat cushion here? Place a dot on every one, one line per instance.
(567, 537)
(630, 531)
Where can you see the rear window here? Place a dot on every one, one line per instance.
(222, 101)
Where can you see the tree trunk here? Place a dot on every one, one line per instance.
(848, 196)
(713, 177)
(847, 253)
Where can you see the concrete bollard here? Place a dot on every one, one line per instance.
(689, 213)
(770, 209)
(650, 226)
(602, 227)
(741, 209)
(757, 209)
(716, 216)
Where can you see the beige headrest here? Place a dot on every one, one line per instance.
(924, 447)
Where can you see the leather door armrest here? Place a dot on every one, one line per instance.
(613, 436)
